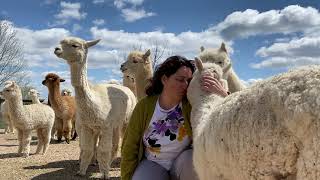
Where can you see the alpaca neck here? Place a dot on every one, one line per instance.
(234, 82)
(54, 95)
(79, 80)
(35, 100)
(142, 80)
(131, 85)
(15, 106)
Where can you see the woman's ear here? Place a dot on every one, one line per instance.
(164, 79)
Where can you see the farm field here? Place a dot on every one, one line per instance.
(60, 162)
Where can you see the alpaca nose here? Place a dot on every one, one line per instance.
(56, 49)
(122, 68)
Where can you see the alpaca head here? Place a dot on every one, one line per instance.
(11, 90)
(194, 89)
(136, 62)
(74, 50)
(66, 92)
(52, 80)
(218, 56)
(33, 93)
(128, 78)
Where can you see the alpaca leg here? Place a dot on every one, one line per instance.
(20, 135)
(59, 127)
(40, 141)
(46, 133)
(67, 127)
(11, 128)
(104, 152)
(74, 132)
(53, 131)
(94, 157)
(26, 139)
(87, 144)
(115, 142)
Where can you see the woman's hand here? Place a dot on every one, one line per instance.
(212, 85)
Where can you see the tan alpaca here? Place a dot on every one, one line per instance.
(220, 57)
(139, 66)
(63, 106)
(34, 95)
(102, 110)
(129, 82)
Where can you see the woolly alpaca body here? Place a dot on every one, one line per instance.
(6, 117)
(138, 66)
(63, 106)
(102, 110)
(220, 57)
(269, 131)
(27, 118)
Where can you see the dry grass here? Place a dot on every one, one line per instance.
(60, 162)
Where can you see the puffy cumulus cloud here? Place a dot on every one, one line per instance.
(130, 11)
(38, 45)
(251, 81)
(186, 43)
(98, 1)
(131, 15)
(98, 22)
(69, 11)
(293, 18)
(296, 52)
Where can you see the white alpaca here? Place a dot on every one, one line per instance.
(27, 118)
(102, 110)
(139, 66)
(268, 131)
(220, 57)
(34, 95)
(66, 92)
(129, 82)
(6, 118)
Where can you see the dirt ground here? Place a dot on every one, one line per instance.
(60, 162)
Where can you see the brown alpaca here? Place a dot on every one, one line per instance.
(63, 106)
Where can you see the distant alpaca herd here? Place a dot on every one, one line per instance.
(267, 131)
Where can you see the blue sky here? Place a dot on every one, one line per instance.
(264, 37)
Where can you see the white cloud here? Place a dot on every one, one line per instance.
(98, 1)
(76, 28)
(293, 18)
(122, 3)
(39, 45)
(296, 52)
(250, 82)
(131, 15)
(186, 43)
(69, 12)
(98, 22)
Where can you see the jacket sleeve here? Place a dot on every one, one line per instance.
(131, 143)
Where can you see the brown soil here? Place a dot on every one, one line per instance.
(60, 161)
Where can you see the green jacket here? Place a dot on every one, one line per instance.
(132, 150)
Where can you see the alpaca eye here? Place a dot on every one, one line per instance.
(75, 46)
(220, 62)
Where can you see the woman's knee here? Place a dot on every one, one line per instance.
(147, 170)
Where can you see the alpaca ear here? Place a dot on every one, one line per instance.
(62, 80)
(223, 47)
(92, 43)
(201, 49)
(199, 64)
(226, 69)
(147, 54)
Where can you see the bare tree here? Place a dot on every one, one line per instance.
(12, 63)
(160, 51)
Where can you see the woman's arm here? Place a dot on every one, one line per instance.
(131, 143)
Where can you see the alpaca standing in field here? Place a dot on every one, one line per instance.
(139, 66)
(268, 131)
(26, 118)
(63, 106)
(220, 57)
(6, 118)
(102, 110)
(34, 95)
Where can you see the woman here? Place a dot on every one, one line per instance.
(158, 138)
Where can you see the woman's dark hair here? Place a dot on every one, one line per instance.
(168, 67)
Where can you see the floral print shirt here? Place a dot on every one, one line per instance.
(166, 136)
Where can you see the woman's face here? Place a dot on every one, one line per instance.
(177, 83)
